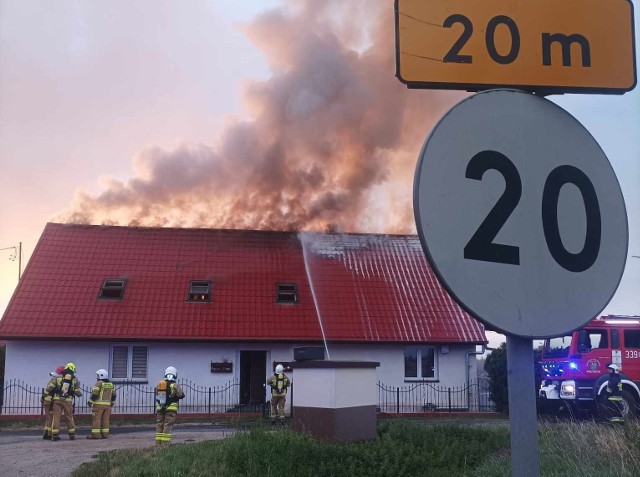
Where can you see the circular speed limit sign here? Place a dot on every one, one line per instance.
(520, 214)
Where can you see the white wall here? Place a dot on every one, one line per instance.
(31, 361)
(450, 365)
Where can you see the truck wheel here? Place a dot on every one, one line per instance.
(629, 409)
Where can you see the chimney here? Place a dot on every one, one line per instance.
(331, 228)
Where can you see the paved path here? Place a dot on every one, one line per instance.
(24, 453)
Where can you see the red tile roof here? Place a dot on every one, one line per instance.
(372, 288)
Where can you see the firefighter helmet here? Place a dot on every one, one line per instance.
(102, 374)
(71, 367)
(59, 369)
(614, 367)
(279, 369)
(171, 373)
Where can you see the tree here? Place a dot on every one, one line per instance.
(496, 366)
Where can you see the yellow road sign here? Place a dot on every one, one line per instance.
(554, 46)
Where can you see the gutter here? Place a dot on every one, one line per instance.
(467, 365)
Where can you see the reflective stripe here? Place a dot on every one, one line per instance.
(103, 393)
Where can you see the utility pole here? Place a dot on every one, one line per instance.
(17, 253)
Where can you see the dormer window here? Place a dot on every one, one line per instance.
(200, 290)
(286, 293)
(112, 290)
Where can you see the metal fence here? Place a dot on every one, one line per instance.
(427, 397)
(23, 399)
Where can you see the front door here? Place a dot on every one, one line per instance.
(252, 377)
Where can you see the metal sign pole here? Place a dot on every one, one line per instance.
(522, 407)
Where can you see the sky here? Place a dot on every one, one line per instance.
(260, 114)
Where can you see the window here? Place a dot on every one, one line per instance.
(592, 339)
(286, 293)
(112, 290)
(200, 290)
(557, 347)
(631, 338)
(419, 362)
(128, 363)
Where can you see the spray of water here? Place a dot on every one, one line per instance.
(304, 237)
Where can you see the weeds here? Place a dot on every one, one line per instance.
(403, 448)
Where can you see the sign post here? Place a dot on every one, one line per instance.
(523, 221)
(523, 420)
(518, 210)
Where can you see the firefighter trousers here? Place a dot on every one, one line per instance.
(100, 414)
(615, 409)
(164, 423)
(277, 406)
(47, 410)
(63, 409)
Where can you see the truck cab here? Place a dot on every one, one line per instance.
(574, 366)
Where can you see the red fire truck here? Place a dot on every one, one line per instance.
(574, 370)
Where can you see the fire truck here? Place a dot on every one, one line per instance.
(573, 366)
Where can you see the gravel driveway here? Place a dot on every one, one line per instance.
(25, 453)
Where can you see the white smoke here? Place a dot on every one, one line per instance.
(333, 137)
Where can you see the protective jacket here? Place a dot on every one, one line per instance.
(168, 393)
(614, 385)
(279, 384)
(64, 387)
(103, 393)
(47, 392)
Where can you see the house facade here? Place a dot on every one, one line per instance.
(223, 305)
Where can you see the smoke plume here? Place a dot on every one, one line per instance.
(333, 137)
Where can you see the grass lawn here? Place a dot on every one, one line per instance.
(402, 448)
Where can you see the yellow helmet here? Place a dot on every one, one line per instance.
(71, 367)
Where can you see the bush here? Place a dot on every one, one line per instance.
(496, 367)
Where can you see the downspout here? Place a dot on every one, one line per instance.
(467, 366)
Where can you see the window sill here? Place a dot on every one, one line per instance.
(129, 381)
(421, 380)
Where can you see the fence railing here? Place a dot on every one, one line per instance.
(427, 397)
(20, 398)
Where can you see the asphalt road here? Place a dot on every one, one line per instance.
(25, 453)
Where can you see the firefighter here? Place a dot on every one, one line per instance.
(102, 399)
(168, 393)
(47, 403)
(614, 394)
(279, 384)
(64, 389)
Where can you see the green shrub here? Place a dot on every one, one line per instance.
(496, 366)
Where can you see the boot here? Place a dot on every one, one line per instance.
(55, 438)
(72, 437)
(46, 436)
